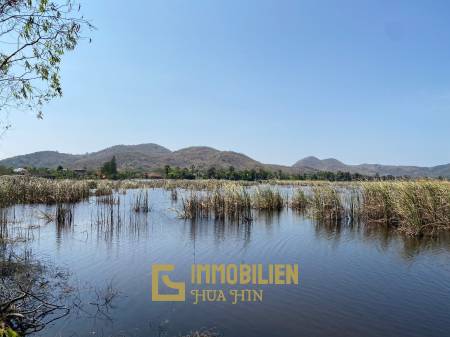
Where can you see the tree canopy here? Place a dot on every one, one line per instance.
(34, 36)
(109, 169)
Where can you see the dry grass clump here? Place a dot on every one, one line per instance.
(230, 202)
(30, 190)
(200, 184)
(195, 206)
(268, 199)
(104, 188)
(299, 200)
(417, 208)
(326, 204)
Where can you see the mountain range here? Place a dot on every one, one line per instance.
(153, 156)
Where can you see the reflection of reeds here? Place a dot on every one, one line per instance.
(141, 202)
(64, 215)
(174, 194)
(3, 224)
(109, 200)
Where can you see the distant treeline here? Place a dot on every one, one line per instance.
(109, 171)
(262, 174)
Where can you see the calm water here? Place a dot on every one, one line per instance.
(354, 281)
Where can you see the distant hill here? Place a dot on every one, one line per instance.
(154, 156)
(143, 156)
(335, 165)
(50, 159)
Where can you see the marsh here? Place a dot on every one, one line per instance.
(356, 279)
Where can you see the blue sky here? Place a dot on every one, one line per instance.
(361, 81)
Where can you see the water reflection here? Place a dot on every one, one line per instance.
(348, 270)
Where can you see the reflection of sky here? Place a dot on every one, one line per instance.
(354, 280)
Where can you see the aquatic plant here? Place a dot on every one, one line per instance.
(141, 202)
(230, 202)
(299, 200)
(109, 200)
(195, 206)
(416, 208)
(21, 190)
(267, 199)
(326, 204)
(174, 194)
(64, 215)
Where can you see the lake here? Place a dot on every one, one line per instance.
(354, 280)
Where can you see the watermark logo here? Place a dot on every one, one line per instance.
(208, 282)
(180, 287)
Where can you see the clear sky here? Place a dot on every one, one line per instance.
(361, 81)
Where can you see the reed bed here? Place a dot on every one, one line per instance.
(326, 204)
(29, 190)
(299, 201)
(413, 207)
(195, 206)
(32, 190)
(416, 208)
(230, 202)
(268, 199)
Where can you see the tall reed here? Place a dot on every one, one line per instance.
(20, 190)
(299, 200)
(268, 199)
(326, 204)
(416, 208)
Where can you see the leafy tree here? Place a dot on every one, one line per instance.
(109, 169)
(34, 36)
(167, 170)
(211, 173)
